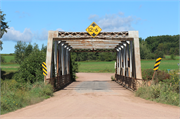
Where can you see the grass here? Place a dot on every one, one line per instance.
(164, 65)
(96, 67)
(109, 66)
(9, 67)
(169, 57)
(16, 95)
(9, 58)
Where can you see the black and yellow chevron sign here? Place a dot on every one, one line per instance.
(156, 66)
(44, 68)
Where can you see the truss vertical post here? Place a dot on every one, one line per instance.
(59, 58)
(65, 59)
(69, 59)
(119, 60)
(124, 59)
(62, 57)
(127, 57)
(116, 62)
(130, 58)
(55, 57)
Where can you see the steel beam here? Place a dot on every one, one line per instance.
(55, 57)
(119, 60)
(65, 67)
(130, 58)
(67, 60)
(59, 54)
(127, 56)
(102, 38)
(62, 57)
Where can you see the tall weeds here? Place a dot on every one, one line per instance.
(16, 95)
(164, 91)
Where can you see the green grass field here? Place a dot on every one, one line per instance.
(96, 66)
(169, 57)
(9, 58)
(109, 66)
(103, 66)
(9, 67)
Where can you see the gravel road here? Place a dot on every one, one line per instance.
(95, 96)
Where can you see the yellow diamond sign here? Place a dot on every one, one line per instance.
(93, 29)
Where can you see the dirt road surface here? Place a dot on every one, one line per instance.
(95, 96)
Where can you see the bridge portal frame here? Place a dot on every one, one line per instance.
(126, 44)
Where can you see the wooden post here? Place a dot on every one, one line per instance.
(153, 77)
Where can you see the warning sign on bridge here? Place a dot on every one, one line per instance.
(93, 29)
(44, 68)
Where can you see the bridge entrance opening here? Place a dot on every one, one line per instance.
(125, 44)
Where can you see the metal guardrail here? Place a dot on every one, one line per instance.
(129, 82)
(59, 82)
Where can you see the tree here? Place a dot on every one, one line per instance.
(20, 52)
(28, 50)
(31, 67)
(4, 26)
(144, 51)
(1, 45)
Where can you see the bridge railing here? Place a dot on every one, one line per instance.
(129, 82)
(60, 82)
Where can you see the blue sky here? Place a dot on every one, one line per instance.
(30, 21)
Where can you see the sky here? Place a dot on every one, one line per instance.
(30, 21)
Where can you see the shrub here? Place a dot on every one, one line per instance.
(172, 56)
(13, 61)
(31, 68)
(3, 60)
(160, 75)
(112, 78)
(147, 74)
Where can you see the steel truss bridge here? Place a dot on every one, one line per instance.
(125, 44)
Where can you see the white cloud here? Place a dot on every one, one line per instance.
(116, 22)
(27, 35)
(92, 16)
(14, 35)
(121, 13)
(43, 35)
(59, 29)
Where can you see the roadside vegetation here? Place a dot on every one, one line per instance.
(164, 88)
(15, 95)
(22, 81)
